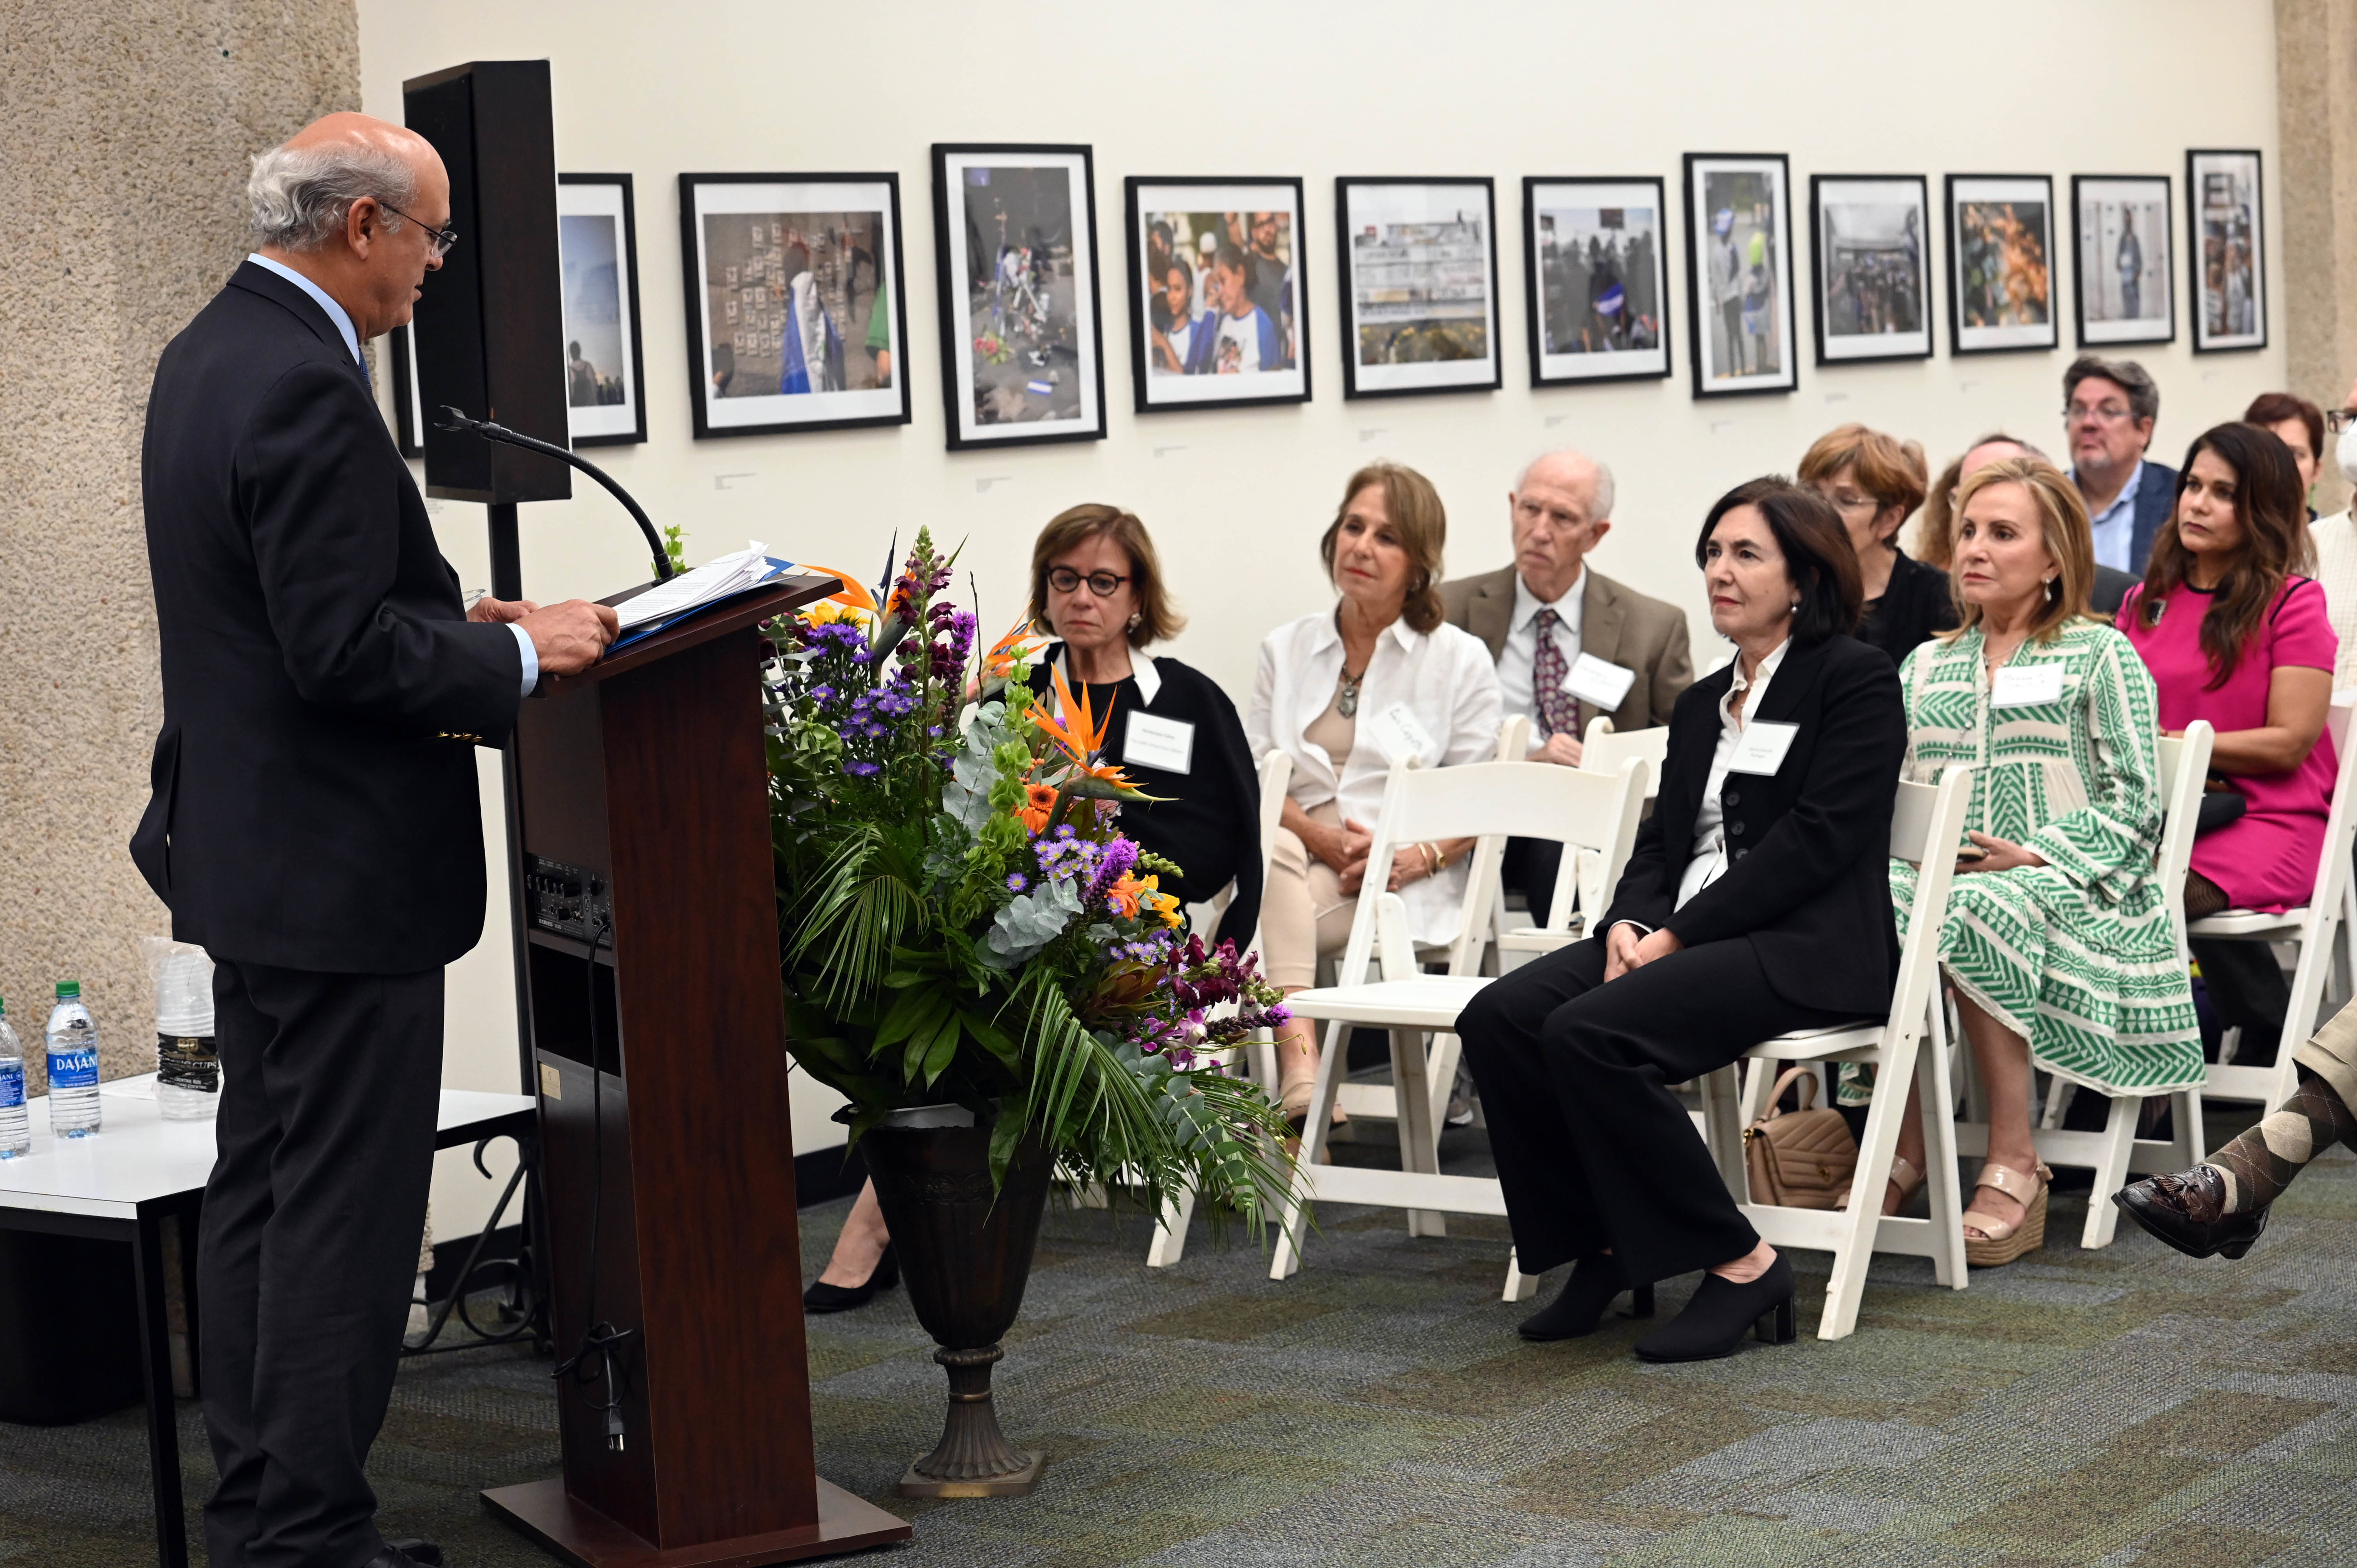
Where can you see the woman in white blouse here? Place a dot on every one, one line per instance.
(1345, 692)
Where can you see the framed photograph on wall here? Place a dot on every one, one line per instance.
(2120, 270)
(1419, 263)
(408, 401)
(2001, 262)
(1022, 349)
(1870, 266)
(795, 314)
(1595, 280)
(1739, 274)
(597, 262)
(1219, 316)
(2228, 250)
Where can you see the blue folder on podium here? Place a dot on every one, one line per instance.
(716, 582)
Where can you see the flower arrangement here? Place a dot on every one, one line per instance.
(963, 920)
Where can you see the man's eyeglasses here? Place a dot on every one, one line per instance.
(2340, 419)
(443, 238)
(2110, 412)
(1063, 579)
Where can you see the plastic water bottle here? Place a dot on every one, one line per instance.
(188, 1069)
(16, 1125)
(73, 1065)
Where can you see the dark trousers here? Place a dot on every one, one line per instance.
(308, 1249)
(1593, 1150)
(1529, 868)
(2247, 991)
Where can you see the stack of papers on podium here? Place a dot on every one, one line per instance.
(722, 578)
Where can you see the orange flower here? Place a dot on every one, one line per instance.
(1124, 895)
(1023, 638)
(1040, 799)
(1162, 906)
(850, 594)
(1079, 732)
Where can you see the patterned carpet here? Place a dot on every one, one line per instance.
(2122, 1407)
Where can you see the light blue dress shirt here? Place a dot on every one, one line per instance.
(337, 313)
(2115, 524)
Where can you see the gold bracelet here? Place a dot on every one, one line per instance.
(1433, 861)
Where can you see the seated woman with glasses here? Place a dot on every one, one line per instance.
(1346, 693)
(2057, 940)
(1756, 902)
(1096, 586)
(1875, 482)
(2234, 634)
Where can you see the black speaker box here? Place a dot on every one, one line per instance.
(490, 323)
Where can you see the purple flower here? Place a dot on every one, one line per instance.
(1016, 882)
(861, 769)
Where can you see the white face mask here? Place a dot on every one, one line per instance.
(2347, 453)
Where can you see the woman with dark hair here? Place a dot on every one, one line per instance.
(2234, 634)
(1758, 901)
(1096, 587)
(1345, 692)
(2058, 943)
(2300, 423)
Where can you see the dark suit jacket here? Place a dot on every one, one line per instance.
(2111, 590)
(2156, 495)
(315, 801)
(1617, 624)
(1808, 882)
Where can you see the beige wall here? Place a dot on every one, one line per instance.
(127, 128)
(2316, 64)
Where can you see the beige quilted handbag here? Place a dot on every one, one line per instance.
(1799, 1159)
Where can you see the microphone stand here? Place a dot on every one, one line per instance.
(456, 419)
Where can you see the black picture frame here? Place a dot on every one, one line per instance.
(1424, 377)
(2104, 334)
(777, 413)
(2199, 214)
(1899, 343)
(1592, 366)
(961, 382)
(633, 429)
(1289, 385)
(2002, 337)
(1777, 170)
(408, 402)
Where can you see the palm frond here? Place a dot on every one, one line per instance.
(863, 907)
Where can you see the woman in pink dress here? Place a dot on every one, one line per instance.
(2235, 634)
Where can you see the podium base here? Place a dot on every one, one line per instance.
(1014, 1484)
(574, 1532)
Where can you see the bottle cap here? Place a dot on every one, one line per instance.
(69, 989)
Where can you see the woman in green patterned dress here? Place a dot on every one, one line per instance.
(2058, 943)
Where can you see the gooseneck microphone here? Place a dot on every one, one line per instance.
(456, 419)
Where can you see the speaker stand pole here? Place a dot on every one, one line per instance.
(507, 583)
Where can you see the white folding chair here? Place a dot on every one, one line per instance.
(1169, 1243)
(1603, 750)
(2116, 1151)
(2312, 926)
(1490, 802)
(1927, 823)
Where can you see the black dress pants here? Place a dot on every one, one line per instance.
(1529, 868)
(1593, 1150)
(308, 1249)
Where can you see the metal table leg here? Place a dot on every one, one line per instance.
(163, 1419)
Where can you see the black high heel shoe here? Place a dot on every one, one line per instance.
(1579, 1305)
(824, 1297)
(1715, 1321)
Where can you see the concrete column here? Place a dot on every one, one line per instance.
(2316, 78)
(128, 127)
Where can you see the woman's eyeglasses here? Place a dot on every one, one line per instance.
(1063, 579)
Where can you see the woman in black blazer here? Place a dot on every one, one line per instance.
(1757, 901)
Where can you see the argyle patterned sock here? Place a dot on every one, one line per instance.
(2260, 1164)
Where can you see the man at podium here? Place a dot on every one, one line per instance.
(315, 820)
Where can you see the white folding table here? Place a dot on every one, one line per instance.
(120, 1184)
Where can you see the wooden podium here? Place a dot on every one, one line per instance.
(650, 925)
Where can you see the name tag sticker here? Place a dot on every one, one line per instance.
(1399, 736)
(2028, 685)
(1599, 685)
(1152, 741)
(1761, 750)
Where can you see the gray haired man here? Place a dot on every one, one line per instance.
(1571, 644)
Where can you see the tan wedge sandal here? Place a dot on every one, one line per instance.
(2001, 1240)
(1904, 1176)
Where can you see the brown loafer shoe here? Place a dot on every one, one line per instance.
(2187, 1211)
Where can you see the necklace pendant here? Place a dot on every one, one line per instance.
(1347, 703)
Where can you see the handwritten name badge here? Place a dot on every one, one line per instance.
(1399, 736)
(1599, 684)
(1761, 750)
(2028, 685)
(1152, 741)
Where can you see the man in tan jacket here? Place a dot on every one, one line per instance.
(1571, 644)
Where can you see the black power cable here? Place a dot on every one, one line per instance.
(593, 1359)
